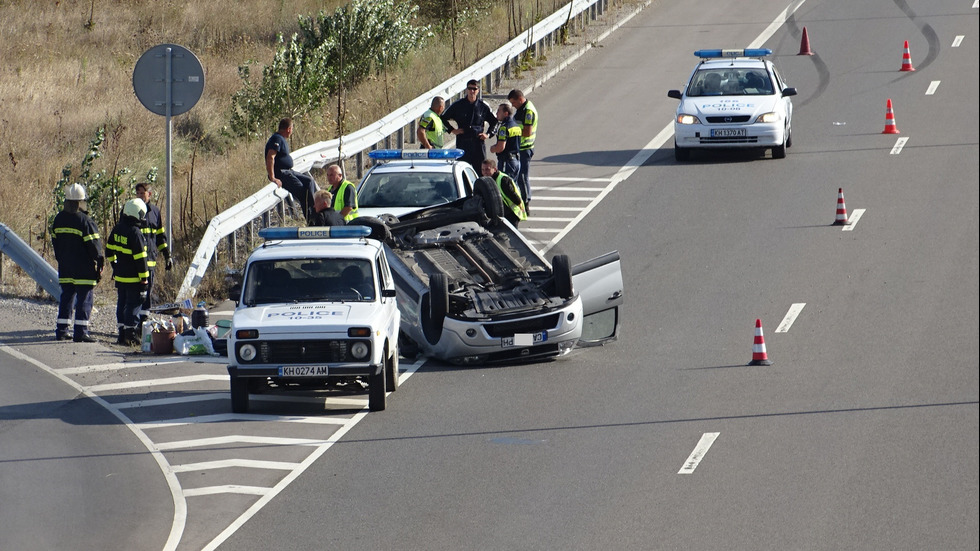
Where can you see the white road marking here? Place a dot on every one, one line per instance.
(544, 219)
(932, 87)
(226, 417)
(540, 230)
(574, 209)
(232, 463)
(239, 439)
(899, 145)
(693, 460)
(227, 489)
(564, 188)
(135, 364)
(157, 382)
(794, 311)
(171, 401)
(853, 219)
(568, 179)
(537, 198)
(959, 39)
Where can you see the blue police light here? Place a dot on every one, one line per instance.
(748, 52)
(327, 232)
(389, 154)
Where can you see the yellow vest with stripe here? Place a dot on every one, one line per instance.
(528, 107)
(435, 134)
(338, 200)
(518, 207)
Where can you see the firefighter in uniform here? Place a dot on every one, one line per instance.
(514, 210)
(156, 242)
(78, 250)
(126, 251)
(344, 193)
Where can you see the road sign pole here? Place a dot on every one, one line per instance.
(170, 128)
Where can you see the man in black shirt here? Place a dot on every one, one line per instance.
(325, 214)
(279, 168)
(470, 113)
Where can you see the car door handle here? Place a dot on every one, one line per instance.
(615, 295)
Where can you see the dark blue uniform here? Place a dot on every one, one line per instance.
(78, 251)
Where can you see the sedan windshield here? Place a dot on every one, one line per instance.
(309, 280)
(730, 81)
(414, 189)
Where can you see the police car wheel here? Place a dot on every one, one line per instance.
(779, 152)
(239, 394)
(377, 399)
(789, 137)
(681, 154)
(391, 371)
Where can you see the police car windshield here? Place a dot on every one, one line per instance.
(414, 189)
(730, 81)
(308, 280)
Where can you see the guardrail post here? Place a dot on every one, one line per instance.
(412, 130)
(401, 138)
(360, 164)
(233, 245)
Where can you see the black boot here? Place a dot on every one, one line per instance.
(131, 337)
(83, 337)
(121, 339)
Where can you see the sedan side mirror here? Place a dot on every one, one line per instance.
(789, 92)
(676, 94)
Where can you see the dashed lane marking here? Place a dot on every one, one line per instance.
(693, 460)
(790, 317)
(852, 220)
(899, 145)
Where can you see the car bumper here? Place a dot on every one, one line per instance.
(341, 370)
(756, 135)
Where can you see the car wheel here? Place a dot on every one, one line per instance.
(438, 306)
(493, 204)
(681, 154)
(779, 152)
(789, 137)
(562, 269)
(379, 230)
(239, 394)
(377, 398)
(391, 371)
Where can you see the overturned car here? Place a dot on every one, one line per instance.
(472, 290)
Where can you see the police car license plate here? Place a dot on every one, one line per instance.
(304, 371)
(727, 132)
(524, 339)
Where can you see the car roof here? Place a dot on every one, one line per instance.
(316, 248)
(733, 62)
(422, 165)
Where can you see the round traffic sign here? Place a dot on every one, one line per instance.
(173, 68)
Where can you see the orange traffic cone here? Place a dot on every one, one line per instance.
(805, 44)
(841, 218)
(759, 356)
(907, 59)
(890, 127)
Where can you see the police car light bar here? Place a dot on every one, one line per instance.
(389, 154)
(748, 52)
(327, 232)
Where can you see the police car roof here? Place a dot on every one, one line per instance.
(316, 248)
(732, 62)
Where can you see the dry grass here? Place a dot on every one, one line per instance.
(67, 66)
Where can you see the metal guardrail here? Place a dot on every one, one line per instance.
(30, 261)
(491, 70)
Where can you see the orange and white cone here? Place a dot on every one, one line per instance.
(907, 59)
(759, 356)
(890, 127)
(841, 218)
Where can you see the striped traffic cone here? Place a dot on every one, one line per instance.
(841, 218)
(890, 127)
(759, 356)
(907, 59)
(805, 44)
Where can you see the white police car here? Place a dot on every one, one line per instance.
(734, 99)
(317, 305)
(405, 180)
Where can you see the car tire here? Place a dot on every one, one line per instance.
(438, 306)
(779, 152)
(561, 266)
(239, 394)
(681, 154)
(379, 230)
(789, 136)
(391, 371)
(493, 203)
(377, 397)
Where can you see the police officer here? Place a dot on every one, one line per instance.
(344, 193)
(527, 117)
(78, 250)
(508, 142)
(156, 242)
(514, 210)
(431, 132)
(471, 114)
(126, 250)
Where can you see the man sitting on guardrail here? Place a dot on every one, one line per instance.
(279, 168)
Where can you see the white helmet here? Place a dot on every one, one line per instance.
(75, 192)
(135, 208)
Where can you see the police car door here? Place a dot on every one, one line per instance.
(600, 284)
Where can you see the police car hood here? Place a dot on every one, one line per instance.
(722, 106)
(306, 317)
